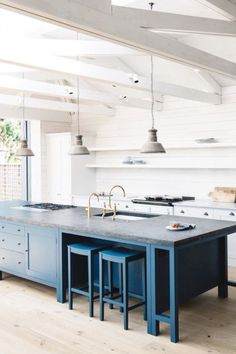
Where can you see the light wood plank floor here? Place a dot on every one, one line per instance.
(32, 322)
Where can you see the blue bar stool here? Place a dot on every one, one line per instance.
(122, 256)
(88, 250)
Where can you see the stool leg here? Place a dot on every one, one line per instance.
(125, 293)
(70, 295)
(90, 284)
(101, 287)
(144, 288)
(120, 285)
(110, 281)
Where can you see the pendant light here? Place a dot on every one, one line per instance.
(152, 145)
(78, 148)
(24, 150)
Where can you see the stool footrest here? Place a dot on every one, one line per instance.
(80, 291)
(113, 302)
(231, 283)
(163, 318)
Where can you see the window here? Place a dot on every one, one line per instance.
(11, 167)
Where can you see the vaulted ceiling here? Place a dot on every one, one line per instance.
(42, 60)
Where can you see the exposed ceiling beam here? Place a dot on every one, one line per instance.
(68, 92)
(73, 15)
(69, 47)
(42, 104)
(79, 68)
(226, 8)
(14, 112)
(210, 80)
(174, 23)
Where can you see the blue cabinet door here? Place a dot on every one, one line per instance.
(41, 254)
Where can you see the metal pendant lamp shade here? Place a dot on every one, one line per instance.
(24, 150)
(79, 148)
(152, 145)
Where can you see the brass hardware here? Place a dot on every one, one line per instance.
(89, 209)
(109, 207)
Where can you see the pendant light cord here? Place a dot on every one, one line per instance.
(78, 93)
(152, 82)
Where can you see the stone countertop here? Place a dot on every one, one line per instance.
(150, 230)
(206, 204)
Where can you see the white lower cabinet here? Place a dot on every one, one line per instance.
(194, 212)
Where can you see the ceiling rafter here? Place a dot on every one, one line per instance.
(224, 7)
(175, 23)
(121, 31)
(112, 76)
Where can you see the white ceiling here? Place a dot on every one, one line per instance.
(19, 33)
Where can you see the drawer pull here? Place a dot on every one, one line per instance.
(182, 211)
(206, 213)
(3, 227)
(3, 257)
(19, 243)
(231, 214)
(19, 230)
(3, 240)
(19, 262)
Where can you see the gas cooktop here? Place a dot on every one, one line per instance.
(165, 200)
(48, 206)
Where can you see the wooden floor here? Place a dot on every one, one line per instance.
(32, 322)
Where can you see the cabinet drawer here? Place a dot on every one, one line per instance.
(194, 212)
(163, 210)
(12, 242)
(12, 261)
(12, 229)
(229, 215)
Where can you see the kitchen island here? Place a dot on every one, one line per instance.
(180, 265)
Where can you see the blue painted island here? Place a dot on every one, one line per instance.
(180, 266)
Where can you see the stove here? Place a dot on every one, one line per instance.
(48, 206)
(165, 200)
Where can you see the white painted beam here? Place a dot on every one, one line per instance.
(210, 80)
(174, 23)
(68, 92)
(69, 47)
(79, 68)
(100, 5)
(42, 104)
(73, 15)
(14, 112)
(226, 8)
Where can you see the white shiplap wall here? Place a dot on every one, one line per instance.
(179, 124)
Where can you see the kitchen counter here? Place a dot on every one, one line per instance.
(151, 230)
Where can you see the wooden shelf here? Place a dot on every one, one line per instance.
(195, 146)
(194, 166)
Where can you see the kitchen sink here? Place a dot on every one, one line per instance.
(129, 216)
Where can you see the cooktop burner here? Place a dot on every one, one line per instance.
(49, 206)
(165, 200)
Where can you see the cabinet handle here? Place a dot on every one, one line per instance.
(19, 262)
(182, 211)
(3, 240)
(19, 230)
(19, 243)
(206, 214)
(3, 227)
(231, 214)
(3, 257)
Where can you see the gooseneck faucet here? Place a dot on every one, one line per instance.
(110, 208)
(89, 208)
(110, 193)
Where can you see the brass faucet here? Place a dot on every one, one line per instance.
(89, 208)
(110, 208)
